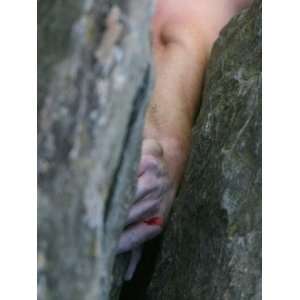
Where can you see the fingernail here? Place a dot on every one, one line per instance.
(154, 221)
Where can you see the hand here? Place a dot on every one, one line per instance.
(153, 200)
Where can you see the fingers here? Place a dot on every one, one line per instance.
(152, 174)
(147, 184)
(151, 164)
(151, 185)
(135, 257)
(136, 235)
(143, 210)
(151, 151)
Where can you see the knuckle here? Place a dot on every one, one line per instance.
(151, 162)
(156, 205)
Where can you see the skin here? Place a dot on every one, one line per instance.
(183, 33)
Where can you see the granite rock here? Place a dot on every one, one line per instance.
(94, 79)
(211, 248)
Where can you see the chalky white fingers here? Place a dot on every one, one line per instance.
(146, 184)
(136, 235)
(143, 210)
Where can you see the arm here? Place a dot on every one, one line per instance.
(183, 35)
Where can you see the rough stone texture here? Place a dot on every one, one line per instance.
(94, 77)
(212, 245)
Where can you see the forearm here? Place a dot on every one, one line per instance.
(183, 35)
(176, 100)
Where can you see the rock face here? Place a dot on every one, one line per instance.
(94, 77)
(211, 249)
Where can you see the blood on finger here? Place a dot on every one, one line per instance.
(154, 221)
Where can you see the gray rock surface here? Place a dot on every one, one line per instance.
(211, 249)
(94, 77)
